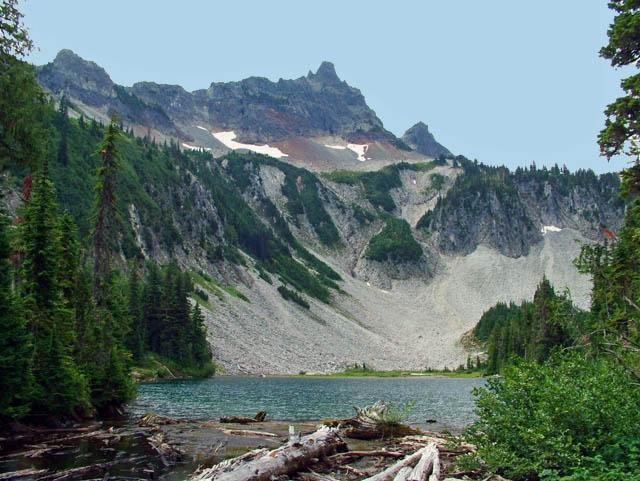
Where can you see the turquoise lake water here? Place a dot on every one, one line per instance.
(449, 401)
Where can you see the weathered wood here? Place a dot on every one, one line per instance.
(247, 432)
(229, 464)
(435, 470)
(425, 466)
(313, 476)
(362, 454)
(22, 474)
(258, 418)
(390, 473)
(288, 459)
(152, 420)
(404, 474)
(169, 455)
(99, 469)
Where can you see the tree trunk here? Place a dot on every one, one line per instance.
(287, 459)
(391, 472)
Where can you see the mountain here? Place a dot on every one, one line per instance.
(317, 121)
(314, 262)
(420, 139)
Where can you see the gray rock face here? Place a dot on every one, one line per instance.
(260, 110)
(77, 78)
(257, 109)
(86, 82)
(420, 139)
(509, 211)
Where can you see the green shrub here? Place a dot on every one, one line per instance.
(288, 294)
(571, 417)
(394, 243)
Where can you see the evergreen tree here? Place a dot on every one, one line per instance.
(60, 387)
(200, 346)
(136, 341)
(104, 232)
(16, 379)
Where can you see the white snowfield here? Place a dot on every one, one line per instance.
(550, 228)
(227, 138)
(193, 147)
(360, 150)
(337, 147)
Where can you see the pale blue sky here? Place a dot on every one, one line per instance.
(503, 81)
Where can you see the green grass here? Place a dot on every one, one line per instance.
(154, 367)
(364, 371)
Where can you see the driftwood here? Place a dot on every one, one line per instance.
(22, 474)
(288, 459)
(258, 418)
(361, 454)
(373, 422)
(426, 465)
(247, 432)
(423, 459)
(153, 420)
(99, 469)
(169, 455)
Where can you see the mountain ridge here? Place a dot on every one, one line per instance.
(318, 121)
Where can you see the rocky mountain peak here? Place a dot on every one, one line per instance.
(420, 139)
(76, 77)
(326, 73)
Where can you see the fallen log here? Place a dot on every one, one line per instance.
(404, 474)
(22, 474)
(258, 418)
(99, 469)
(390, 473)
(435, 470)
(287, 459)
(362, 454)
(247, 432)
(425, 466)
(169, 455)
(153, 420)
(374, 422)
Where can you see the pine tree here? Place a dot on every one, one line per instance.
(153, 315)
(200, 346)
(136, 340)
(60, 387)
(16, 378)
(106, 215)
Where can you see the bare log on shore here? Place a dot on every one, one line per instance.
(22, 474)
(247, 432)
(373, 422)
(288, 459)
(423, 459)
(258, 418)
(362, 454)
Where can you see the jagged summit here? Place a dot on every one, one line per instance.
(256, 109)
(76, 77)
(420, 139)
(326, 73)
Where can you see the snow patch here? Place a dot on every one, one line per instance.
(227, 138)
(193, 147)
(338, 147)
(202, 128)
(550, 228)
(360, 150)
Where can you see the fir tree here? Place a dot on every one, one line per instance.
(60, 387)
(104, 232)
(16, 379)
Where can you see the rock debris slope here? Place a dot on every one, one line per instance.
(346, 244)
